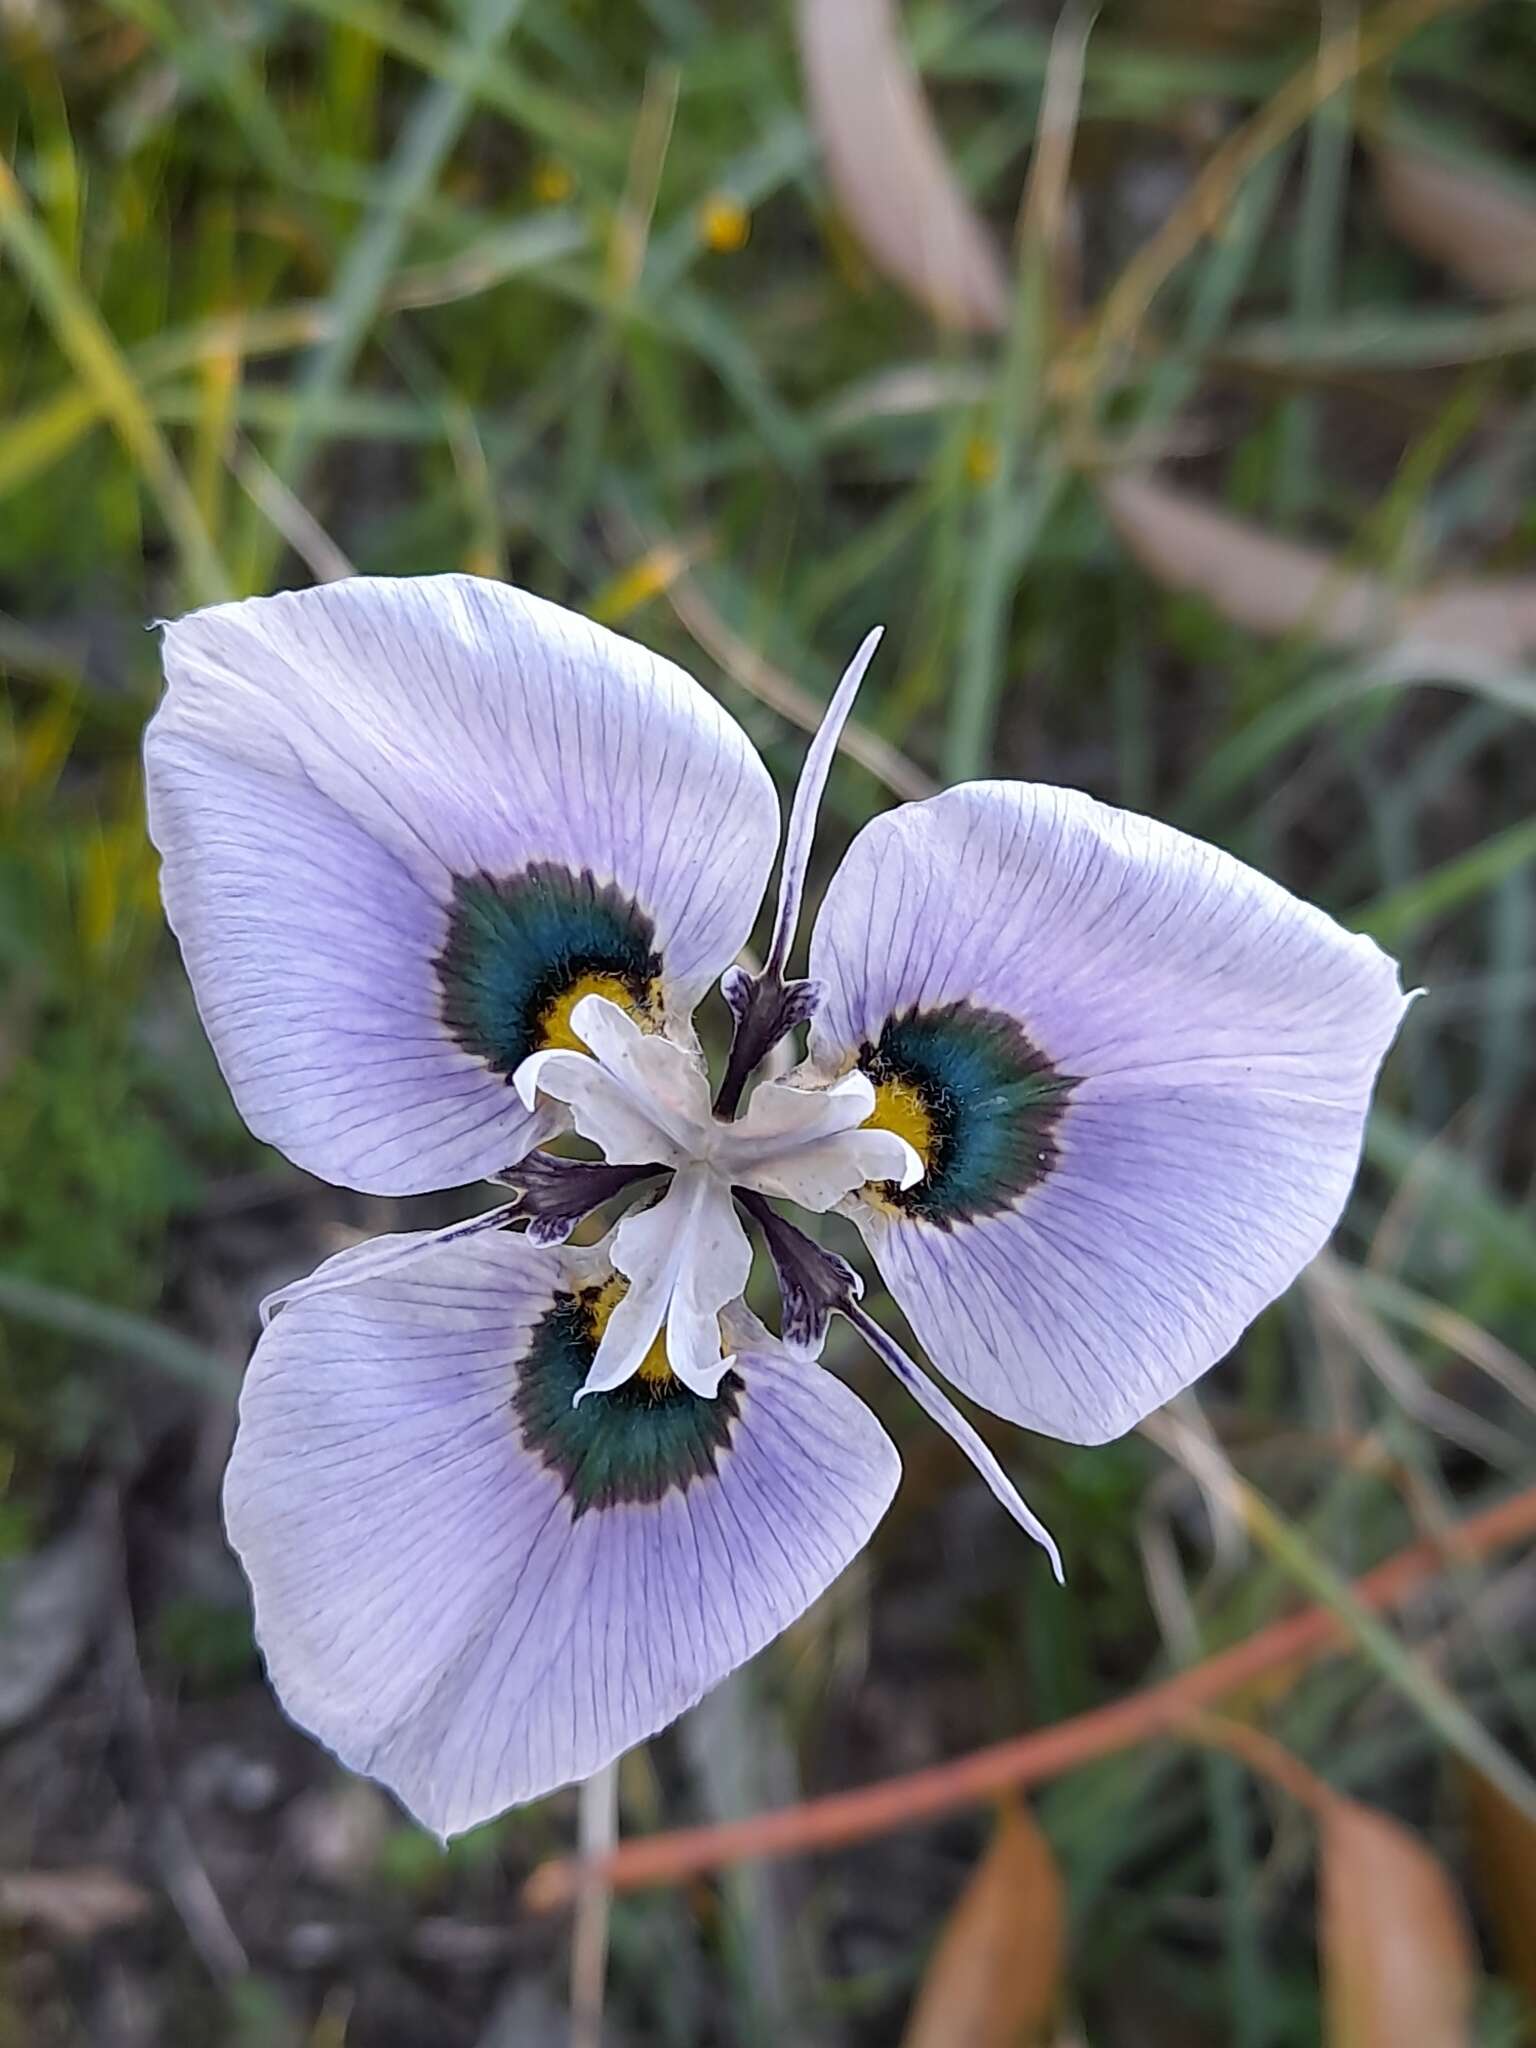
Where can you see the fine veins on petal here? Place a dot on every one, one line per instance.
(450, 868)
(393, 814)
(475, 1593)
(1138, 1073)
(522, 950)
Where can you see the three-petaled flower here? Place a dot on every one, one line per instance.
(451, 869)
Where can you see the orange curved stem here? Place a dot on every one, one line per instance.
(891, 1803)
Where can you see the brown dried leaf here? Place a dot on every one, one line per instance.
(1496, 616)
(1274, 586)
(1398, 1960)
(995, 1977)
(1503, 1849)
(1255, 579)
(887, 167)
(1480, 228)
(337, 1832)
(1235, 25)
(72, 1905)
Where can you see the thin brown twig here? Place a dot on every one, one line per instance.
(1156, 1710)
(760, 678)
(181, 1870)
(1266, 1757)
(747, 669)
(1340, 60)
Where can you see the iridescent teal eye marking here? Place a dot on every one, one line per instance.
(633, 1445)
(980, 1104)
(523, 949)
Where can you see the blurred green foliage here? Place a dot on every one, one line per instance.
(558, 292)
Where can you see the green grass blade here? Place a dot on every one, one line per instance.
(114, 1329)
(85, 341)
(369, 262)
(1456, 1726)
(1399, 916)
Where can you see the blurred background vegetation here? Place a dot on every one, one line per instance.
(1188, 458)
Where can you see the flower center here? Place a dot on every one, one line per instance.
(521, 951)
(976, 1099)
(600, 1304)
(634, 1444)
(555, 1030)
(644, 1101)
(900, 1107)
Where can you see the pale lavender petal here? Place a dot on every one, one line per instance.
(1158, 1063)
(358, 791)
(443, 1593)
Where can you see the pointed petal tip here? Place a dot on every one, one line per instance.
(937, 1405)
(525, 1078)
(703, 1380)
(595, 1016)
(912, 1167)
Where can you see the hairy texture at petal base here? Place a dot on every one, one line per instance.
(522, 950)
(1136, 1070)
(405, 827)
(637, 1096)
(975, 1100)
(476, 1595)
(636, 1442)
(812, 1146)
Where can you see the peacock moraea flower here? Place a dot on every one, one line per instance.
(451, 869)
